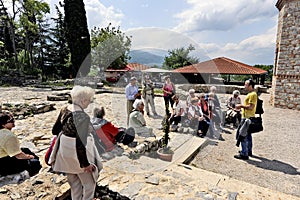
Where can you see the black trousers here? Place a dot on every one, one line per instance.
(12, 165)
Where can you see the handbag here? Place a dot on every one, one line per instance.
(256, 125)
(50, 149)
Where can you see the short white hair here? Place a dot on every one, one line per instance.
(213, 88)
(137, 103)
(191, 91)
(80, 93)
(236, 92)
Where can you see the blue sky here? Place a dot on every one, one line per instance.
(243, 30)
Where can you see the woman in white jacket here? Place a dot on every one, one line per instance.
(74, 152)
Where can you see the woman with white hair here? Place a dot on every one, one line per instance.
(74, 152)
(137, 120)
(189, 97)
(233, 114)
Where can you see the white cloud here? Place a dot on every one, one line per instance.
(158, 38)
(151, 37)
(223, 14)
(100, 16)
(97, 14)
(258, 49)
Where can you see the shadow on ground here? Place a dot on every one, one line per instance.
(274, 165)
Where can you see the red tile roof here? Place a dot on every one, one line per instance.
(129, 67)
(220, 65)
(137, 66)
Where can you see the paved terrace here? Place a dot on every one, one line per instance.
(152, 178)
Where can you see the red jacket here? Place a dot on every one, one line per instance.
(107, 132)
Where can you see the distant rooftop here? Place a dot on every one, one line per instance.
(137, 66)
(221, 65)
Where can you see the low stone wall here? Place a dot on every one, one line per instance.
(227, 89)
(21, 111)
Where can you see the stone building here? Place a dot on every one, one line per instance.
(286, 73)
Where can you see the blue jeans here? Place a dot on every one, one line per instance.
(246, 144)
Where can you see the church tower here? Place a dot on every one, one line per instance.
(286, 73)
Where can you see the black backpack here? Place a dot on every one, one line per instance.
(259, 106)
(256, 122)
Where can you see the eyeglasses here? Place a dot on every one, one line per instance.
(202, 97)
(11, 120)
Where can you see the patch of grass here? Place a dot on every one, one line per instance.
(158, 91)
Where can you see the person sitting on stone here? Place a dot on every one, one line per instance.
(137, 120)
(189, 97)
(108, 133)
(207, 114)
(198, 120)
(178, 111)
(233, 114)
(14, 159)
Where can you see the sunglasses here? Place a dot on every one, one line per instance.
(11, 120)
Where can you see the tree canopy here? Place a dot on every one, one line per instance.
(179, 58)
(110, 47)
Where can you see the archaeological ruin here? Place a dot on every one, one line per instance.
(286, 74)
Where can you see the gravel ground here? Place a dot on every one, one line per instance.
(276, 161)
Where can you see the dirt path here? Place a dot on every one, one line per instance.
(276, 160)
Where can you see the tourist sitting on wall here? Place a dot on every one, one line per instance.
(206, 114)
(198, 119)
(189, 98)
(137, 120)
(178, 111)
(108, 133)
(14, 159)
(233, 115)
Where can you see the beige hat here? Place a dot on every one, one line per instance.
(137, 103)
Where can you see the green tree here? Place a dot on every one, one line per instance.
(110, 48)
(78, 37)
(179, 58)
(59, 53)
(7, 36)
(33, 13)
(269, 69)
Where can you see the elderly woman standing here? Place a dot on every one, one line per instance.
(75, 155)
(14, 159)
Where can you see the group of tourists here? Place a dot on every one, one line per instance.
(80, 140)
(201, 112)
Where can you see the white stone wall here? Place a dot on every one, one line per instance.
(286, 77)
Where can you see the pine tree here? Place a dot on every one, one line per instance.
(78, 37)
(60, 52)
